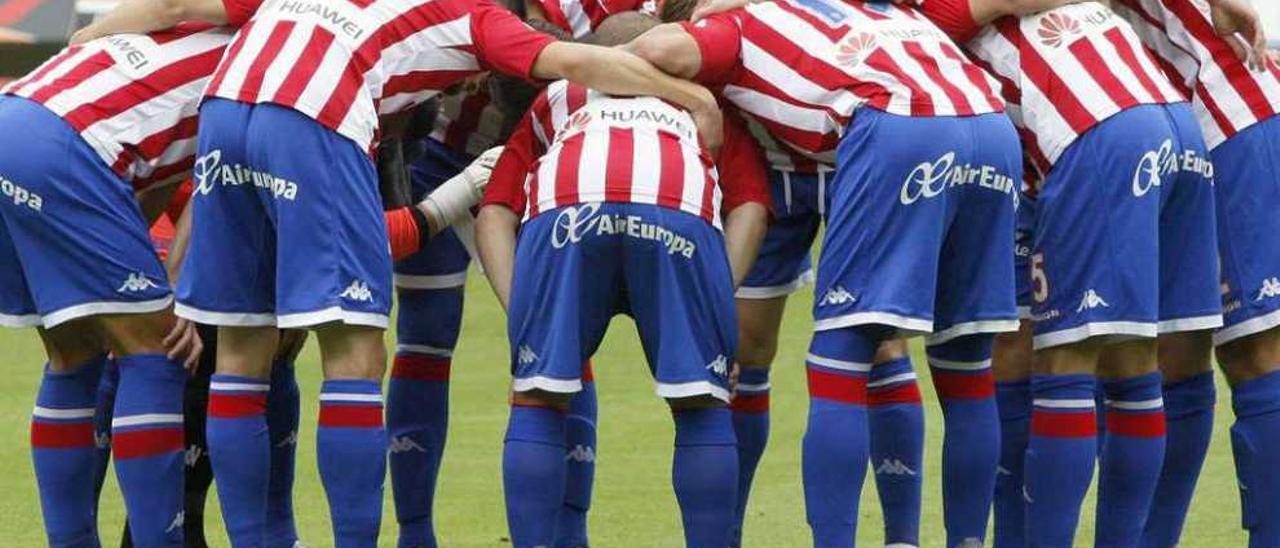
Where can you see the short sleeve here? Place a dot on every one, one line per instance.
(719, 39)
(954, 17)
(505, 43)
(240, 12)
(743, 176)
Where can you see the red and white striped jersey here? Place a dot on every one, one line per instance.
(132, 97)
(1226, 96)
(344, 62)
(1066, 69)
(577, 145)
(802, 67)
(468, 122)
(581, 17)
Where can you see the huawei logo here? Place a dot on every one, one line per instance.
(855, 48)
(1057, 28)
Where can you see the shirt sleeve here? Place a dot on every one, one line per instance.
(719, 41)
(240, 12)
(954, 17)
(505, 43)
(743, 176)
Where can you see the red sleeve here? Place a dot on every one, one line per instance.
(178, 203)
(719, 41)
(503, 42)
(506, 183)
(954, 17)
(240, 12)
(743, 176)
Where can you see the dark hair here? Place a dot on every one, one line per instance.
(514, 95)
(621, 28)
(674, 11)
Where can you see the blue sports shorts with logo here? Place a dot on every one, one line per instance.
(288, 224)
(73, 242)
(442, 262)
(578, 266)
(1247, 178)
(1124, 243)
(784, 265)
(920, 226)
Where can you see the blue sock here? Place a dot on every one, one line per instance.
(351, 451)
(836, 448)
(533, 474)
(283, 409)
(1188, 409)
(105, 403)
(961, 370)
(750, 407)
(147, 445)
(896, 420)
(417, 421)
(240, 453)
(580, 438)
(64, 455)
(705, 475)
(1133, 444)
(1060, 456)
(1255, 441)
(1014, 401)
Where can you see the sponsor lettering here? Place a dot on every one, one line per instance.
(575, 222)
(930, 179)
(335, 18)
(1157, 164)
(20, 196)
(125, 50)
(209, 171)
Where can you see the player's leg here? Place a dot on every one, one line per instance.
(580, 459)
(896, 421)
(283, 416)
(199, 472)
(1247, 186)
(1133, 439)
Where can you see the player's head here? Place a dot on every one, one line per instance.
(674, 11)
(621, 28)
(514, 95)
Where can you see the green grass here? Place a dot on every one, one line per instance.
(633, 504)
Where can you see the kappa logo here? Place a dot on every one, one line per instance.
(1270, 289)
(1002, 471)
(719, 366)
(192, 455)
(836, 296)
(358, 291)
(1091, 301)
(1057, 28)
(855, 48)
(209, 170)
(291, 439)
(403, 444)
(135, 283)
(894, 467)
(20, 196)
(102, 440)
(526, 355)
(581, 453)
(177, 523)
(930, 179)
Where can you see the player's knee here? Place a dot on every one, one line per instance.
(891, 350)
(71, 344)
(246, 351)
(138, 333)
(1079, 358)
(291, 343)
(1128, 359)
(352, 352)
(756, 351)
(1012, 354)
(1250, 357)
(758, 324)
(542, 398)
(1185, 355)
(693, 403)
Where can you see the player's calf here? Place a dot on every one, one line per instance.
(1011, 362)
(533, 466)
(896, 421)
(1134, 438)
(704, 470)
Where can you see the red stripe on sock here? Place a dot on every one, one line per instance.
(145, 443)
(234, 406)
(841, 388)
(1064, 425)
(418, 367)
(61, 435)
(955, 385)
(750, 403)
(351, 416)
(907, 392)
(1136, 425)
(588, 372)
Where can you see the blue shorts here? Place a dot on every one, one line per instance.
(1247, 177)
(1139, 179)
(578, 266)
(784, 265)
(442, 262)
(1022, 240)
(920, 229)
(73, 242)
(288, 231)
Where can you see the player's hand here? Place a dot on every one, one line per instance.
(480, 169)
(734, 373)
(183, 343)
(706, 8)
(81, 36)
(1237, 21)
(710, 127)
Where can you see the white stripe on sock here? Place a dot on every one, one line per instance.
(50, 413)
(359, 398)
(147, 418)
(1142, 405)
(239, 387)
(1063, 404)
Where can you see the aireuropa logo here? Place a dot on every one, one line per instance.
(930, 179)
(1057, 29)
(209, 171)
(20, 196)
(855, 48)
(1156, 164)
(573, 223)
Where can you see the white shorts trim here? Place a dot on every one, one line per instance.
(147, 419)
(231, 319)
(50, 413)
(425, 350)
(1063, 404)
(774, 291)
(1196, 323)
(1024, 312)
(833, 363)
(1146, 330)
(959, 366)
(332, 314)
(85, 310)
(547, 384)
(439, 281)
(1143, 405)
(971, 328)
(1252, 326)
(904, 323)
(690, 389)
(18, 322)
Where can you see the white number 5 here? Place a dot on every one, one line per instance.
(1039, 282)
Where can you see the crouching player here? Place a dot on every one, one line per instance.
(621, 210)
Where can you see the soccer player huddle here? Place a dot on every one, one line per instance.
(1072, 202)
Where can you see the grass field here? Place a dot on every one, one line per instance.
(633, 505)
